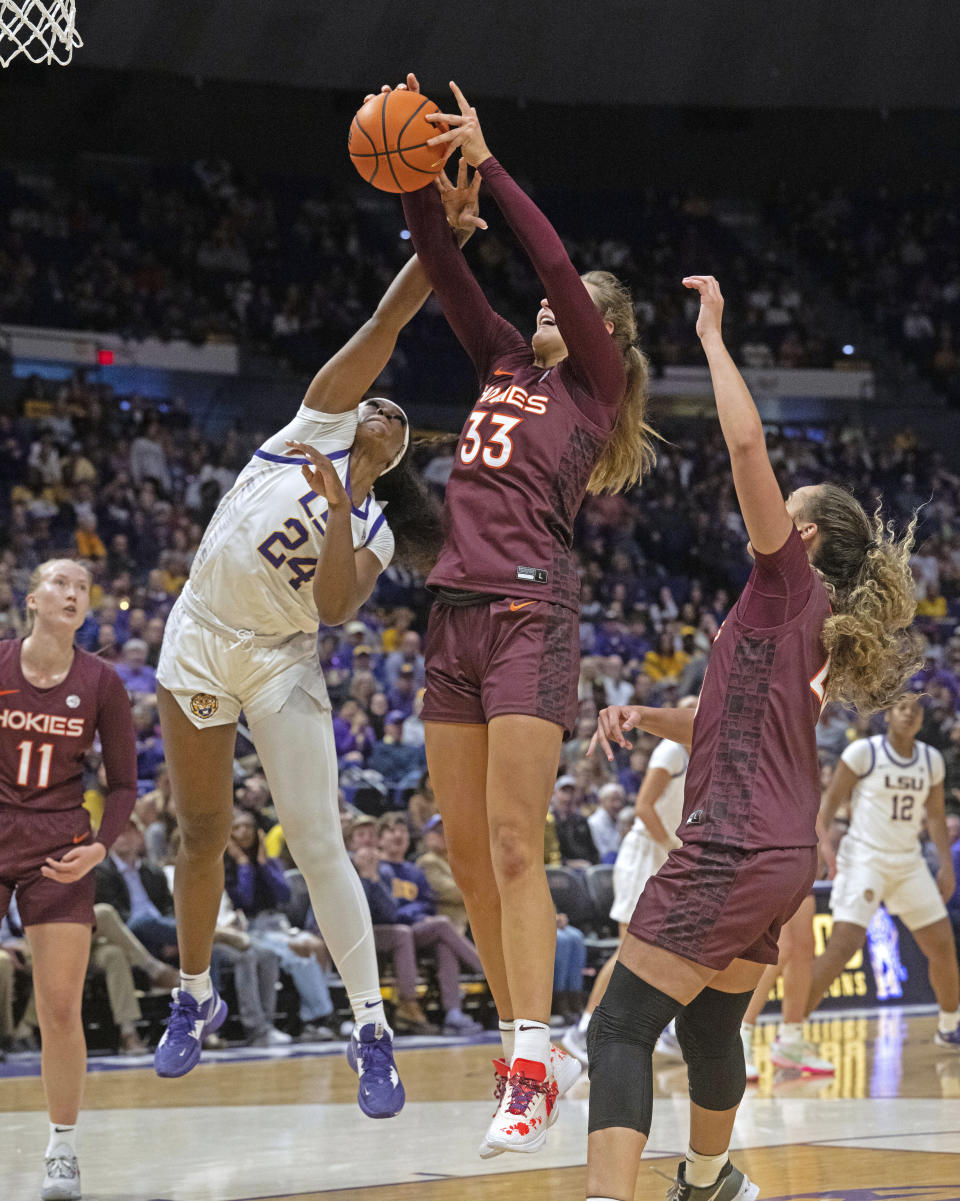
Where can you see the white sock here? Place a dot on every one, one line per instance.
(584, 1022)
(790, 1032)
(365, 1012)
(200, 986)
(949, 1021)
(60, 1135)
(531, 1040)
(703, 1170)
(506, 1037)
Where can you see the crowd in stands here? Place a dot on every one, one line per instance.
(212, 253)
(895, 258)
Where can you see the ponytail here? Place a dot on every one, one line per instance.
(866, 568)
(414, 515)
(629, 451)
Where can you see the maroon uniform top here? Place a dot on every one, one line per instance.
(45, 733)
(530, 445)
(753, 779)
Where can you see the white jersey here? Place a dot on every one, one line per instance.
(673, 758)
(887, 802)
(255, 566)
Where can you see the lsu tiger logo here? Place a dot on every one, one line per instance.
(203, 705)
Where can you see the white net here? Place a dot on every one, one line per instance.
(41, 30)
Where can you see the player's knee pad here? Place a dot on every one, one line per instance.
(708, 1030)
(620, 1040)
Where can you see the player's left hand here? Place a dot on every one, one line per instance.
(946, 881)
(321, 475)
(464, 130)
(461, 201)
(75, 864)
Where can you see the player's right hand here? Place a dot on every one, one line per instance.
(611, 724)
(711, 304)
(75, 863)
(321, 475)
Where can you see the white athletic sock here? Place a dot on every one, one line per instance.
(584, 1022)
(702, 1170)
(200, 986)
(367, 1008)
(506, 1037)
(790, 1032)
(60, 1135)
(949, 1021)
(531, 1040)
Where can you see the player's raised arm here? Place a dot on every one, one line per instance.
(343, 380)
(593, 355)
(761, 503)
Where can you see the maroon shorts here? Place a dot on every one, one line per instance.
(714, 904)
(502, 656)
(26, 840)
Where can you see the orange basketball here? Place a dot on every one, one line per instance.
(388, 142)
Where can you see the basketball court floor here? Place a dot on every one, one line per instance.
(272, 1125)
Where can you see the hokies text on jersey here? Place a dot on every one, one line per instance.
(41, 723)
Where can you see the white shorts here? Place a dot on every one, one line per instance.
(215, 673)
(865, 877)
(638, 858)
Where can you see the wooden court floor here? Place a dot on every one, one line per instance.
(286, 1128)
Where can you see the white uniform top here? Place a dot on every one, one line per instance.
(887, 800)
(673, 758)
(255, 565)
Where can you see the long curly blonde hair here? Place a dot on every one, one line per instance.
(866, 568)
(629, 451)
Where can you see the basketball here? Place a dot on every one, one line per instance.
(387, 142)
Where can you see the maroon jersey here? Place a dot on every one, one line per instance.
(753, 779)
(45, 733)
(530, 445)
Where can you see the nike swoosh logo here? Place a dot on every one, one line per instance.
(371, 1004)
(529, 1027)
(522, 605)
(9, 691)
(497, 371)
(78, 838)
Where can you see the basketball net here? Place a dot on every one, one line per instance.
(42, 30)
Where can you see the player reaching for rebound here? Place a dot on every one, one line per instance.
(53, 699)
(891, 780)
(555, 416)
(824, 613)
(299, 539)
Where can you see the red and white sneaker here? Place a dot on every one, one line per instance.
(501, 1070)
(520, 1123)
(566, 1071)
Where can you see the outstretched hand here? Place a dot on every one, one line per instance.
(711, 304)
(461, 201)
(321, 475)
(464, 130)
(412, 85)
(612, 724)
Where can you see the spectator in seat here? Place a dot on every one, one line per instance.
(409, 655)
(603, 823)
(137, 675)
(257, 888)
(138, 891)
(398, 764)
(415, 906)
(577, 848)
(435, 865)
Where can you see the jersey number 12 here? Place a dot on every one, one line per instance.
(902, 808)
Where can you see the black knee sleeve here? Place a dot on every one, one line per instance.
(620, 1040)
(708, 1030)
